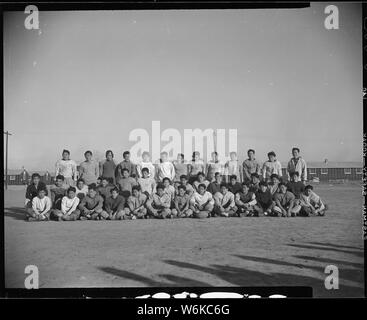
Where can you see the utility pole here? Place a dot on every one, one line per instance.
(6, 159)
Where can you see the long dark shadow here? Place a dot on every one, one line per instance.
(336, 245)
(304, 246)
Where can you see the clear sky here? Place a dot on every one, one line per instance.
(85, 79)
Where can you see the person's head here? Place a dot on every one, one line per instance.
(145, 172)
(245, 187)
(180, 157)
(181, 190)
(223, 188)
(218, 177)
(201, 176)
(271, 156)
(80, 184)
(36, 178)
(308, 190)
(125, 172)
(114, 193)
(164, 156)
(233, 155)
(201, 188)
(251, 154)
(263, 186)
(41, 193)
(233, 179)
(99, 181)
(59, 181)
(88, 155)
(282, 187)
(255, 178)
(71, 193)
(295, 152)
(195, 156)
(294, 176)
(145, 156)
(215, 156)
(105, 182)
(274, 178)
(92, 190)
(135, 190)
(166, 182)
(126, 155)
(109, 155)
(160, 189)
(183, 179)
(65, 154)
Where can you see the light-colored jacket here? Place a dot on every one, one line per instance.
(299, 167)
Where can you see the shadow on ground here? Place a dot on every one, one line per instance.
(328, 247)
(16, 213)
(175, 281)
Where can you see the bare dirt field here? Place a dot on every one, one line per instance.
(189, 252)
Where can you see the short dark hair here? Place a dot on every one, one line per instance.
(217, 174)
(88, 151)
(166, 179)
(294, 173)
(71, 189)
(202, 185)
(100, 178)
(42, 189)
(92, 186)
(308, 187)
(137, 187)
(80, 180)
(233, 176)
(274, 175)
(125, 153)
(109, 151)
(145, 169)
(181, 187)
(60, 177)
(36, 175)
(114, 189)
(105, 178)
(125, 169)
(160, 186)
(295, 148)
(263, 183)
(250, 150)
(246, 184)
(66, 151)
(183, 176)
(282, 184)
(271, 153)
(254, 174)
(201, 174)
(223, 185)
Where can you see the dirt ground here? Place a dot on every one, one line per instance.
(189, 252)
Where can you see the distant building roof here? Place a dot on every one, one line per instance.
(330, 164)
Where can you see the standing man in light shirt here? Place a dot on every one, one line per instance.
(66, 168)
(297, 164)
(107, 167)
(250, 165)
(145, 163)
(272, 166)
(165, 168)
(89, 169)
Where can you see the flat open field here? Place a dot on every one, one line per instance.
(189, 252)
